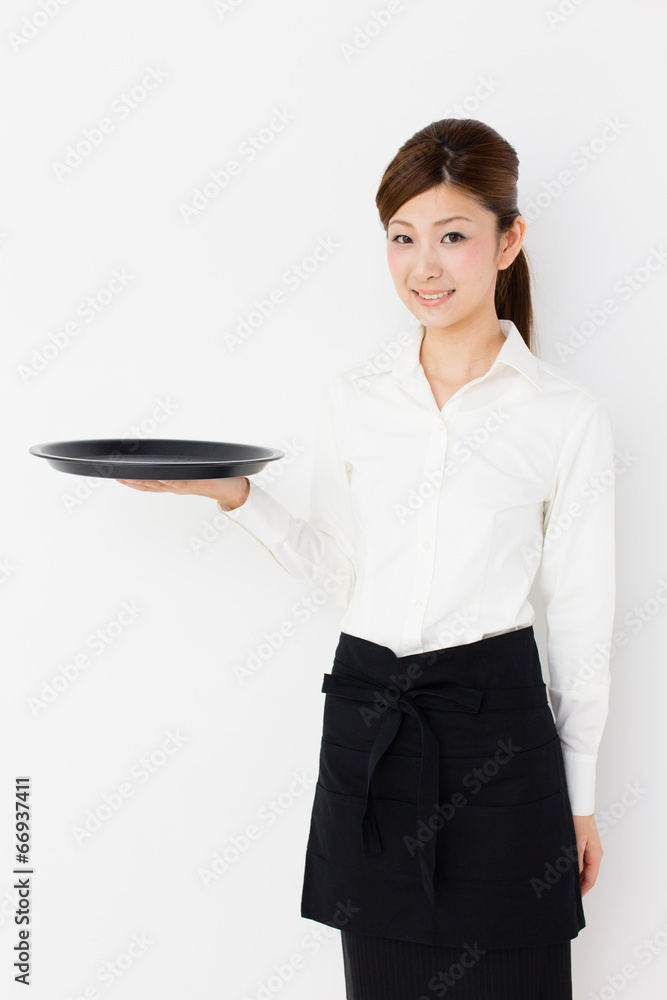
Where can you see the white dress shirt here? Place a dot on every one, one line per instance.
(429, 525)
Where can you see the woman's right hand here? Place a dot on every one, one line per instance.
(232, 492)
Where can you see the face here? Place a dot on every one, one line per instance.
(444, 241)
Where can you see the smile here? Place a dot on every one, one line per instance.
(434, 298)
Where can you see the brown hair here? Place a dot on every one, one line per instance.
(471, 156)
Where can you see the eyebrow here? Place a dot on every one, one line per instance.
(440, 222)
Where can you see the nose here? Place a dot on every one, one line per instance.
(426, 263)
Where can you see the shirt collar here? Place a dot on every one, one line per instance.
(514, 352)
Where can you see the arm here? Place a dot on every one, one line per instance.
(577, 582)
(320, 551)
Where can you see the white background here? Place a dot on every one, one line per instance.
(157, 357)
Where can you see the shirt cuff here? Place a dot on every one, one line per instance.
(261, 514)
(580, 777)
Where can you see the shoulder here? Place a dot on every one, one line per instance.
(568, 399)
(352, 382)
(377, 367)
(556, 381)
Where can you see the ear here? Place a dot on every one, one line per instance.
(511, 242)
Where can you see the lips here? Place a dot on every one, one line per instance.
(441, 297)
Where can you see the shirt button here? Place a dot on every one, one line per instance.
(426, 545)
(441, 427)
(418, 604)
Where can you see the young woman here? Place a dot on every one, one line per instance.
(452, 835)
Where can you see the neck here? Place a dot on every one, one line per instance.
(454, 355)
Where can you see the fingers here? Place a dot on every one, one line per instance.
(588, 877)
(590, 858)
(149, 485)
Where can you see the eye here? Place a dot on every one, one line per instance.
(402, 236)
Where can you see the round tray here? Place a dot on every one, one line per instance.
(155, 458)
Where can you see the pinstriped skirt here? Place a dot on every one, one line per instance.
(379, 968)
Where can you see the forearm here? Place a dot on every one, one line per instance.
(310, 551)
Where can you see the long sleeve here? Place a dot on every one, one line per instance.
(318, 551)
(577, 582)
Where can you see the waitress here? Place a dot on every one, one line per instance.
(452, 834)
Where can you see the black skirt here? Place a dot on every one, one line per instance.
(379, 968)
(441, 814)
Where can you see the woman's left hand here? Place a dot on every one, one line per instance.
(589, 849)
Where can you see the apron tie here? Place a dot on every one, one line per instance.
(441, 697)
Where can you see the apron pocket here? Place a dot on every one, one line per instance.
(335, 833)
(510, 775)
(506, 842)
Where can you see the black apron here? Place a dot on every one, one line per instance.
(441, 813)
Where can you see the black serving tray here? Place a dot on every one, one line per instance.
(156, 458)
